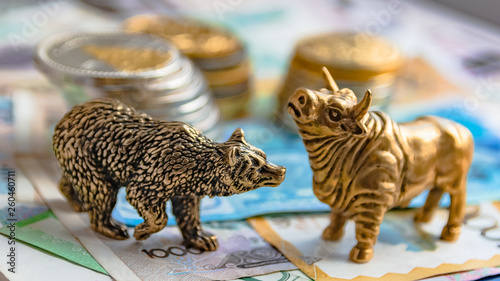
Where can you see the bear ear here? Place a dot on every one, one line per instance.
(238, 136)
(232, 155)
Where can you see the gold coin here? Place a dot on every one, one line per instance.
(235, 106)
(230, 90)
(349, 56)
(230, 75)
(193, 38)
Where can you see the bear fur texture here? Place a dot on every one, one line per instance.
(103, 145)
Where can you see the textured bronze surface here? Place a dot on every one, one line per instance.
(103, 145)
(364, 163)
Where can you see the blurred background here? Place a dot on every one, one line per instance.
(252, 55)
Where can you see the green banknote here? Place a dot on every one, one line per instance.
(45, 232)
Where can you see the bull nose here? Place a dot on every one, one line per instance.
(294, 110)
(300, 104)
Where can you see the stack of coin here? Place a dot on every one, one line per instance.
(219, 54)
(142, 70)
(356, 61)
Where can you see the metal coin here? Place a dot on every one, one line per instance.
(106, 58)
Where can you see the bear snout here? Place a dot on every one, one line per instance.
(272, 175)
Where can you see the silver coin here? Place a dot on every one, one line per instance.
(176, 80)
(173, 89)
(66, 57)
(207, 122)
(186, 93)
(178, 109)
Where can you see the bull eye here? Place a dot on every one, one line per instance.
(334, 114)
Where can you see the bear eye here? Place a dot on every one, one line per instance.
(334, 114)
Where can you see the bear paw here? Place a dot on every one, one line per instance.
(203, 241)
(113, 230)
(142, 231)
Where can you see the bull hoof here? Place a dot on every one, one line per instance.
(332, 234)
(203, 241)
(451, 233)
(361, 255)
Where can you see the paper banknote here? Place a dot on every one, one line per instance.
(242, 252)
(403, 251)
(45, 232)
(492, 272)
(38, 227)
(295, 193)
(34, 264)
(291, 275)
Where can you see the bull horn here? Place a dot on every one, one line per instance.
(362, 107)
(329, 82)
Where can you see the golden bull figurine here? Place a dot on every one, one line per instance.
(364, 163)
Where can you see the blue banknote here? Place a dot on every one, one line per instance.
(295, 193)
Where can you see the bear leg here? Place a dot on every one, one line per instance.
(155, 218)
(68, 191)
(100, 214)
(187, 214)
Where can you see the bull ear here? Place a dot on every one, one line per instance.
(238, 136)
(362, 107)
(329, 82)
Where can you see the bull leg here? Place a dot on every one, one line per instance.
(67, 190)
(367, 231)
(431, 203)
(335, 230)
(453, 227)
(187, 214)
(100, 212)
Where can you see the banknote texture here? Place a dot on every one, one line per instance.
(242, 252)
(45, 232)
(291, 275)
(403, 251)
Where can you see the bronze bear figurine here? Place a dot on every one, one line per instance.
(364, 163)
(103, 145)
